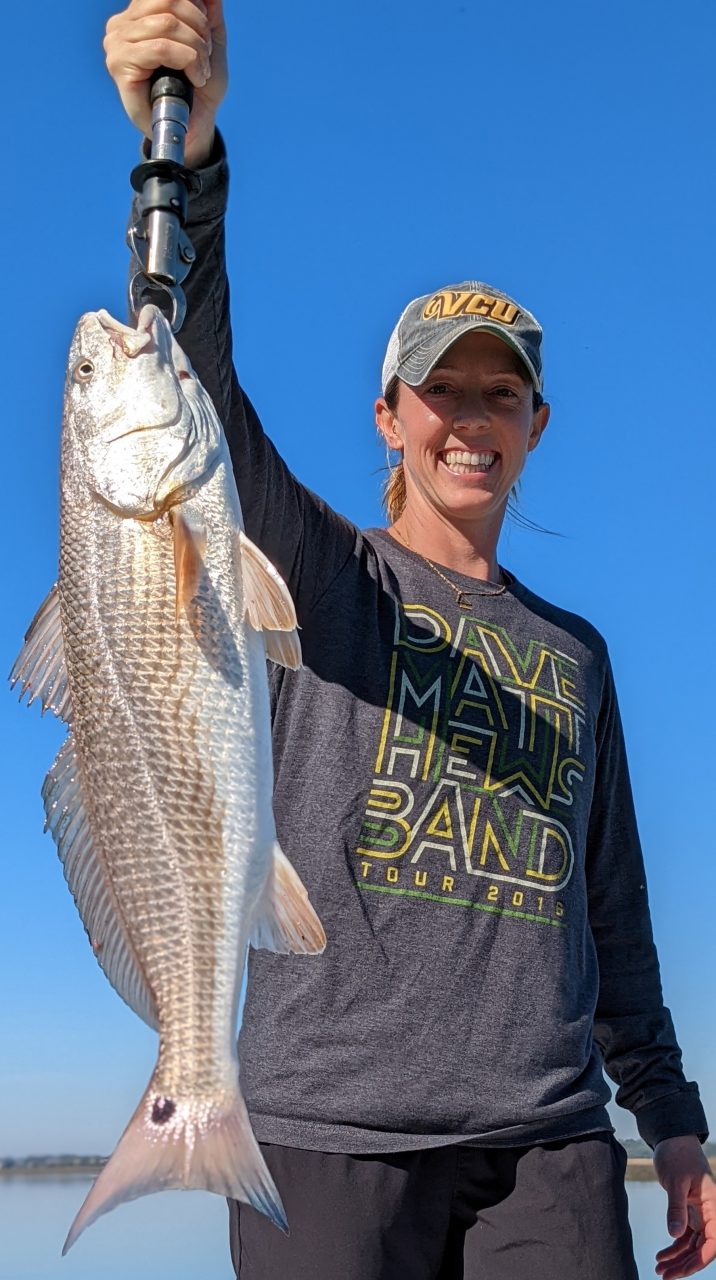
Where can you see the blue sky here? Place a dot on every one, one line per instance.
(562, 153)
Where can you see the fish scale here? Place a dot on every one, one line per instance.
(160, 799)
(109, 738)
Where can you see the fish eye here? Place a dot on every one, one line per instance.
(83, 371)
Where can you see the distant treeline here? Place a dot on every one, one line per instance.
(50, 1164)
(638, 1150)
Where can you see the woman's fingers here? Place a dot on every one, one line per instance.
(131, 62)
(687, 1255)
(191, 12)
(172, 33)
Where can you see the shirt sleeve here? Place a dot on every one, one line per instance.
(308, 542)
(632, 1027)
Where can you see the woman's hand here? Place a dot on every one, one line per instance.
(684, 1173)
(186, 35)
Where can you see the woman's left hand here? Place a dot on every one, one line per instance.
(685, 1175)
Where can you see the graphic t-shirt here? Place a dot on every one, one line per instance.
(452, 788)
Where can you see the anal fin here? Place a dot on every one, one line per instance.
(285, 921)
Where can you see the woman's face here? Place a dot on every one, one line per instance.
(466, 431)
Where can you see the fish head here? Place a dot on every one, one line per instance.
(140, 443)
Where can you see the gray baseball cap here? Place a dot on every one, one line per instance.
(430, 324)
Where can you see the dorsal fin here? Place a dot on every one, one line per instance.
(40, 665)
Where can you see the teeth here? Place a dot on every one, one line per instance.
(462, 462)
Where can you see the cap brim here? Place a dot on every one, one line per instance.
(419, 363)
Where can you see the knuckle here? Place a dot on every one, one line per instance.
(110, 56)
(166, 9)
(165, 24)
(161, 49)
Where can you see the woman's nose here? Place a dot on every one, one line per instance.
(471, 415)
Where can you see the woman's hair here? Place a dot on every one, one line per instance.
(394, 488)
(394, 494)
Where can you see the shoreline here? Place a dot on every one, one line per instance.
(639, 1169)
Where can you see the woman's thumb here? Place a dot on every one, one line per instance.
(676, 1216)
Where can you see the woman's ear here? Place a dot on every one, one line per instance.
(387, 424)
(539, 422)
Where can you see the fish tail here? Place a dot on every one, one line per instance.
(180, 1144)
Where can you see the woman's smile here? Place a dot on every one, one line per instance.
(461, 462)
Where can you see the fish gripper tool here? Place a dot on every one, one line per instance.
(162, 253)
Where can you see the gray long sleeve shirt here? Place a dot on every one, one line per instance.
(452, 788)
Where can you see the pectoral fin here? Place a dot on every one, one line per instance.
(284, 648)
(268, 605)
(189, 548)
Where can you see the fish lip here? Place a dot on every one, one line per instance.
(146, 320)
(149, 316)
(152, 331)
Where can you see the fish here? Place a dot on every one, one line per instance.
(152, 647)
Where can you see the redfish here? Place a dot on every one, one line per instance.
(152, 648)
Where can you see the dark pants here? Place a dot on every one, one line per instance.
(552, 1212)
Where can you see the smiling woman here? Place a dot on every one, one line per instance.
(505, 378)
(452, 788)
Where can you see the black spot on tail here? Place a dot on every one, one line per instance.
(163, 1110)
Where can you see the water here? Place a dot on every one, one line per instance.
(179, 1235)
(647, 1213)
(171, 1236)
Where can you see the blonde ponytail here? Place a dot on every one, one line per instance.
(394, 492)
(393, 495)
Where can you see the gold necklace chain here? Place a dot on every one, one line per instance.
(462, 597)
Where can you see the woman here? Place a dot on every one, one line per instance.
(452, 788)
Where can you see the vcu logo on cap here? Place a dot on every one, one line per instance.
(452, 302)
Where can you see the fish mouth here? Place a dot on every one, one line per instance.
(152, 332)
